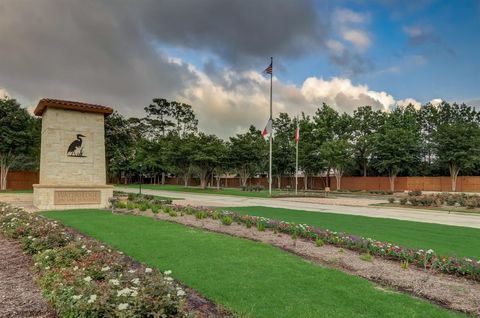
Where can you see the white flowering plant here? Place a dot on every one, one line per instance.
(80, 277)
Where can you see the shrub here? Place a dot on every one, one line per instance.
(413, 201)
(261, 226)
(189, 210)
(121, 204)
(167, 209)
(403, 201)
(319, 242)
(258, 188)
(426, 201)
(216, 215)
(131, 205)
(471, 203)
(415, 193)
(172, 213)
(451, 201)
(462, 201)
(391, 200)
(227, 220)
(366, 257)
(143, 206)
(200, 215)
(155, 209)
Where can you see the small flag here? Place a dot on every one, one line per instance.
(267, 131)
(297, 134)
(268, 70)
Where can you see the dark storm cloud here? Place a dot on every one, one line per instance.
(237, 29)
(105, 52)
(82, 50)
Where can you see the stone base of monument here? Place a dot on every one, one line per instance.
(56, 197)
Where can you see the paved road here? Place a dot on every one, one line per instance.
(427, 216)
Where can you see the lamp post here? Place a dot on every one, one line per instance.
(140, 179)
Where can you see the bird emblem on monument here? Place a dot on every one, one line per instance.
(76, 149)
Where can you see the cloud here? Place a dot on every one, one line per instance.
(113, 53)
(359, 38)
(474, 103)
(86, 50)
(436, 101)
(426, 38)
(230, 105)
(336, 47)
(413, 31)
(409, 101)
(349, 41)
(342, 94)
(4, 93)
(236, 30)
(346, 16)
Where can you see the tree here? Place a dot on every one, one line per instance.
(337, 155)
(180, 151)
(206, 156)
(397, 144)
(283, 150)
(308, 150)
(164, 117)
(458, 146)
(248, 153)
(19, 138)
(329, 125)
(120, 141)
(365, 123)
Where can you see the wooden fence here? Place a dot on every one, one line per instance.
(442, 184)
(23, 180)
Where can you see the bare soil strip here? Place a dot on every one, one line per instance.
(19, 296)
(452, 292)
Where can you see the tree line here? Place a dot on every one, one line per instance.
(434, 140)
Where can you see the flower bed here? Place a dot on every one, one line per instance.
(417, 198)
(80, 277)
(425, 259)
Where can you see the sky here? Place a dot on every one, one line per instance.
(211, 54)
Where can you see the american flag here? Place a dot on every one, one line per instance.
(268, 70)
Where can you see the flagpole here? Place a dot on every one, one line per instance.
(271, 132)
(296, 158)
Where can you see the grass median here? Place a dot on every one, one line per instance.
(444, 239)
(250, 278)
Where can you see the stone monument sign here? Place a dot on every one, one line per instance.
(72, 161)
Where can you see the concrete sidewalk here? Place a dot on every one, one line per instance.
(418, 215)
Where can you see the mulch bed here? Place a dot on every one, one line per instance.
(19, 296)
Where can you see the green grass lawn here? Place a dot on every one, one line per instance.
(444, 239)
(17, 191)
(247, 277)
(224, 191)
